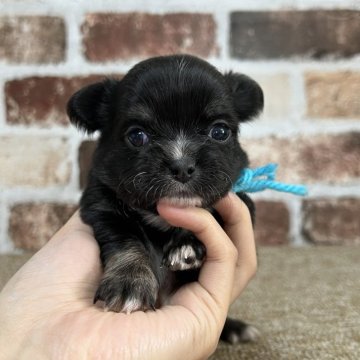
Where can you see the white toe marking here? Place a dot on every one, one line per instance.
(179, 255)
(251, 333)
(131, 305)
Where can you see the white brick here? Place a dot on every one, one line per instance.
(277, 95)
(32, 161)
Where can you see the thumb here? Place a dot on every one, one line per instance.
(217, 273)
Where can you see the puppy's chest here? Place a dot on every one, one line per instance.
(154, 220)
(160, 233)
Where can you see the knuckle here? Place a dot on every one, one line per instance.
(203, 225)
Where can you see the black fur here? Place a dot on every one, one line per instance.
(180, 110)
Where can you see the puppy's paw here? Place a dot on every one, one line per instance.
(189, 255)
(236, 331)
(133, 291)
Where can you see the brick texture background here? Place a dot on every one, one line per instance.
(305, 54)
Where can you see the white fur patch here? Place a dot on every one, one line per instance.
(183, 201)
(250, 334)
(132, 305)
(177, 149)
(178, 257)
(155, 220)
(161, 224)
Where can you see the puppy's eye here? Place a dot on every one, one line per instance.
(220, 132)
(137, 137)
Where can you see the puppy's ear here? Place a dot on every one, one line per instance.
(247, 95)
(90, 107)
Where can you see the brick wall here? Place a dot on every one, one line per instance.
(305, 54)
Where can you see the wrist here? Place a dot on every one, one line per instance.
(9, 341)
(15, 342)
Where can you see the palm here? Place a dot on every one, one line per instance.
(64, 304)
(48, 305)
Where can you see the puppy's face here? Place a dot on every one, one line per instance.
(169, 130)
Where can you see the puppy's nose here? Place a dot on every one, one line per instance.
(183, 169)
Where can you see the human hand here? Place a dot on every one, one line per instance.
(47, 311)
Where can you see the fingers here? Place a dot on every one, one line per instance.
(217, 273)
(239, 228)
(72, 257)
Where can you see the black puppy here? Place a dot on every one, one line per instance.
(168, 130)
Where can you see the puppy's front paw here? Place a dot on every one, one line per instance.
(237, 331)
(136, 290)
(185, 256)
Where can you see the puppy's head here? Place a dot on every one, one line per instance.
(169, 129)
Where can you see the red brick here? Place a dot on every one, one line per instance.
(42, 100)
(109, 37)
(332, 159)
(278, 34)
(32, 39)
(272, 223)
(86, 152)
(333, 94)
(32, 224)
(332, 221)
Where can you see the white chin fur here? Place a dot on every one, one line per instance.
(183, 201)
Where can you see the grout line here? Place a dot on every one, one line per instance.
(278, 127)
(49, 194)
(48, 7)
(33, 130)
(2, 106)
(6, 246)
(222, 38)
(73, 21)
(298, 103)
(282, 128)
(316, 191)
(295, 214)
(77, 65)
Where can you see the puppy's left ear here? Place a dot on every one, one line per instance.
(247, 95)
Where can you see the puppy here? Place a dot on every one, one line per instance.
(168, 130)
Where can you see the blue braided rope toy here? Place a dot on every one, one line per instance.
(262, 178)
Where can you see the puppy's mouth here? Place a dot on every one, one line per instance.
(182, 201)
